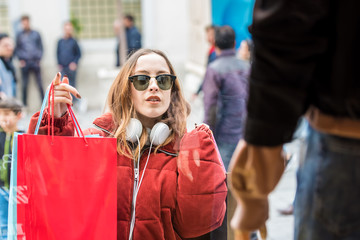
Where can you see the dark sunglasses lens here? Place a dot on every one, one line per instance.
(165, 82)
(141, 82)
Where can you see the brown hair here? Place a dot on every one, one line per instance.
(12, 104)
(121, 106)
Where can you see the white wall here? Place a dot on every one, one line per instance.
(165, 26)
(195, 65)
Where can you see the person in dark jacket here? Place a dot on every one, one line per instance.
(211, 56)
(29, 50)
(68, 54)
(133, 38)
(305, 63)
(225, 93)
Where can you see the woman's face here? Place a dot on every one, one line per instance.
(153, 102)
(6, 47)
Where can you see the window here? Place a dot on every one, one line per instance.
(96, 17)
(4, 17)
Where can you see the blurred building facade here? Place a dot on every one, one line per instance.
(175, 26)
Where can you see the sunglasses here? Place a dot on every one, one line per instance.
(142, 82)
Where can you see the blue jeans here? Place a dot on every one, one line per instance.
(25, 71)
(327, 204)
(226, 151)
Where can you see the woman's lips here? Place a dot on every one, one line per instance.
(153, 99)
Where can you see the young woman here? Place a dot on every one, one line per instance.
(171, 184)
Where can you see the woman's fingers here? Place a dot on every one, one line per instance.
(65, 79)
(62, 94)
(61, 99)
(57, 79)
(66, 87)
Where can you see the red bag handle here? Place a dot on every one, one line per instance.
(51, 119)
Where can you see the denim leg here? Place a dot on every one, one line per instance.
(70, 74)
(25, 82)
(226, 151)
(328, 192)
(37, 71)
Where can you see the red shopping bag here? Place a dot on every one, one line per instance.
(67, 186)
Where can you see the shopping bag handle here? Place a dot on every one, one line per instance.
(51, 117)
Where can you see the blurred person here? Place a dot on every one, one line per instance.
(7, 70)
(171, 183)
(211, 56)
(29, 50)
(210, 36)
(10, 115)
(68, 53)
(133, 37)
(117, 31)
(245, 49)
(305, 63)
(225, 93)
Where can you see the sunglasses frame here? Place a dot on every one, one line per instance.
(173, 78)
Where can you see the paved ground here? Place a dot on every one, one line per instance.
(279, 227)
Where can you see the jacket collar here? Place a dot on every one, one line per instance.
(227, 52)
(106, 122)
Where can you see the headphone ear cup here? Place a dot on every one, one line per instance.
(159, 133)
(133, 130)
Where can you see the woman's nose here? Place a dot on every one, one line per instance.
(153, 85)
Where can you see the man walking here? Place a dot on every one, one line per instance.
(29, 50)
(225, 93)
(68, 54)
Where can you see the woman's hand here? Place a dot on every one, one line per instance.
(62, 95)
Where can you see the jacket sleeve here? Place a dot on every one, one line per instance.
(201, 190)
(211, 89)
(290, 36)
(62, 126)
(58, 48)
(40, 51)
(19, 52)
(77, 52)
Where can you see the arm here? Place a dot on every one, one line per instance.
(211, 88)
(58, 49)
(77, 52)
(18, 48)
(63, 126)
(201, 189)
(40, 45)
(135, 37)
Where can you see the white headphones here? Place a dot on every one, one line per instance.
(159, 133)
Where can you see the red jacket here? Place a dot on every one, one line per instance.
(169, 205)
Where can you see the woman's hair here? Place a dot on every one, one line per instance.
(121, 106)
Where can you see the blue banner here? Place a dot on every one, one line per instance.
(235, 13)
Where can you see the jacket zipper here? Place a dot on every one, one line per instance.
(134, 196)
(104, 130)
